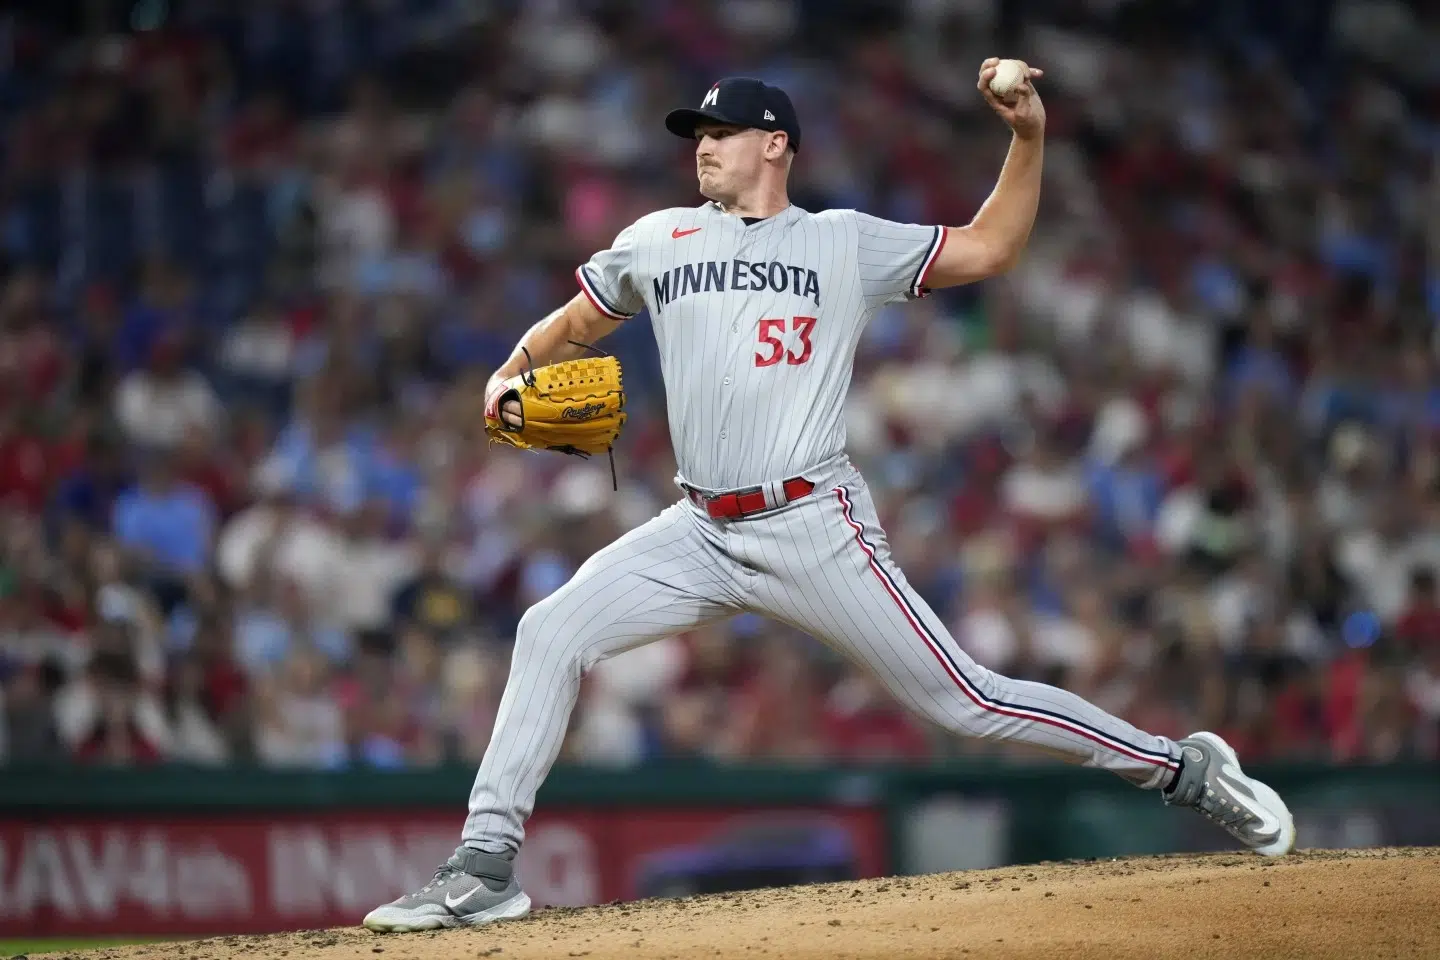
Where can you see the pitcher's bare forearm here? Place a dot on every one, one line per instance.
(1008, 214)
(553, 339)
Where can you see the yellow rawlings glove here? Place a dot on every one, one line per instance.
(575, 407)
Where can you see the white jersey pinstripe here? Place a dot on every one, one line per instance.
(757, 325)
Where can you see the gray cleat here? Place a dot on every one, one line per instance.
(1212, 783)
(469, 890)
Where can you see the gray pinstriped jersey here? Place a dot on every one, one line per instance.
(757, 325)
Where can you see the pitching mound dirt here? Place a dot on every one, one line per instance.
(1344, 904)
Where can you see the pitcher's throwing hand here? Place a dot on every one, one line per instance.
(1020, 105)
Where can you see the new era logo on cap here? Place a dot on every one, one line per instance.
(744, 102)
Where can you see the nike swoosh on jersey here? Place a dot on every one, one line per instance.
(677, 233)
(452, 904)
(1233, 778)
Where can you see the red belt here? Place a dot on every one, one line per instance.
(741, 503)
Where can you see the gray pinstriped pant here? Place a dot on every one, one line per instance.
(820, 564)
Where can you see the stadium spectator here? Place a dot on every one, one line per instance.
(107, 717)
(1418, 626)
(298, 723)
(157, 404)
(27, 715)
(166, 526)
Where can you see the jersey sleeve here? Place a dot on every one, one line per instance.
(608, 278)
(894, 258)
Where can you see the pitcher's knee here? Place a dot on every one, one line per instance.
(982, 681)
(561, 629)
(536, 635)
(965, 705)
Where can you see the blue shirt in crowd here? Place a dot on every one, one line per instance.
(174, 526)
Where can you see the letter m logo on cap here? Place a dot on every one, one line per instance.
(711, 97)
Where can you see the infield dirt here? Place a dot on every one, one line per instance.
(1350, 904)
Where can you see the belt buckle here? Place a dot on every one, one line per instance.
(707, 501)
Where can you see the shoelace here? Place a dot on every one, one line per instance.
(1212, 807)
(443, 875)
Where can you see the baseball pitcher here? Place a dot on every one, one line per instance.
(757, 308)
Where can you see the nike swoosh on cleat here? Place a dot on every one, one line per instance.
(452, 904)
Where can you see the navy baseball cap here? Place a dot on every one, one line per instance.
(744, 102)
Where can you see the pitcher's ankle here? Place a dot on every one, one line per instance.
(490, 847)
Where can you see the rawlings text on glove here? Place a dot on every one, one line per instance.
(577, 407)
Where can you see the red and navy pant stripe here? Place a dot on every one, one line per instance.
(957, 673)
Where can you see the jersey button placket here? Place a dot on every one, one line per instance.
(724, 435)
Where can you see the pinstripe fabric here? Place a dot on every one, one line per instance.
(825, 567)
(747, 411)
(821, 564)
(716, 288)
(659, 579)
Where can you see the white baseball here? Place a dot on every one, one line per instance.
(1009, 74)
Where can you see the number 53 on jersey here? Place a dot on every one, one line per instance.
(771, 331)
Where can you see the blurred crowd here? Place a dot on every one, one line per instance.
(258, 260)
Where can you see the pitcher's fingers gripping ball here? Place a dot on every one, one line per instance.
(575, 407)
